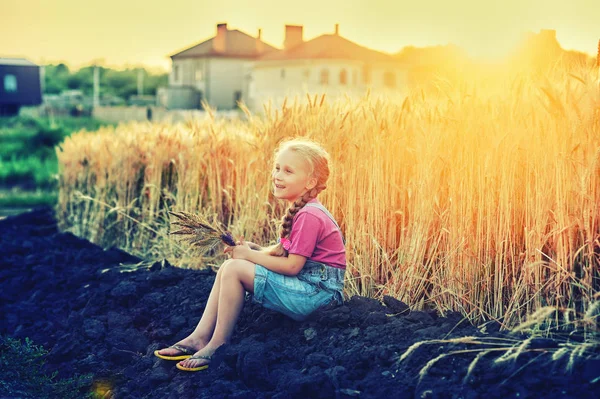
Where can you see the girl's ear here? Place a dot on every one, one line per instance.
(312, 183)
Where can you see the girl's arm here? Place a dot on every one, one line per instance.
(289, 266)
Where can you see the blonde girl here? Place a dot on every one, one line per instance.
(303, 272)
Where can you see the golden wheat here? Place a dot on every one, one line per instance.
(480, 196)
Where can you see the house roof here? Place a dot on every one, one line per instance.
(238, 44)
(329, 46)
(16, 61)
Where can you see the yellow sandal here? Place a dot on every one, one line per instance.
(197, 357)
(186, 350)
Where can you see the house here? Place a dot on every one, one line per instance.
(329, 64)
(20, 85)
(212, 71)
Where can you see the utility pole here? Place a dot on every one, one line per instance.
(140, 82)
(96, 99)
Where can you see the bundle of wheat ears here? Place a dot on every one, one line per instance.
(198, 232)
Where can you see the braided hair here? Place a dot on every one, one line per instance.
(318, 160)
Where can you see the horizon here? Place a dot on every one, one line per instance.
(486, 32)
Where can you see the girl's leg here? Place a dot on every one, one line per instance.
(237, 278)
(204, 330)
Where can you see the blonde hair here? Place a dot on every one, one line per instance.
(318, 161)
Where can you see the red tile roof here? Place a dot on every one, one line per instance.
(238, 45)
(329, 47)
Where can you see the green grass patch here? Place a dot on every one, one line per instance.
(10, 148)
(30, 172)
(27, 199)
(27, 149)
(23, 375)
(70, 124)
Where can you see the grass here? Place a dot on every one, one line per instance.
(26, 199)
(31, 124)
(28, 163)
(572, 343)
(22, 374)
(29, 172)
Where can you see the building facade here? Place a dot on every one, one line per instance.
(329, 64)
(212, 71)
(234, 66)
(20, 85)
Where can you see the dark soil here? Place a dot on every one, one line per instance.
(97, 316)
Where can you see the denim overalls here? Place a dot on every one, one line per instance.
(315, 286)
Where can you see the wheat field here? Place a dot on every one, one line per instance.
(479, 196)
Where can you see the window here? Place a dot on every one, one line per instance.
(176, 73)
(199, 76)
(10, 83)
(324, 77)
(343, 77)
(389, 79)
(237, 98)
(283, 74)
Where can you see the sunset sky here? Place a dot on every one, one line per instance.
(132, 32)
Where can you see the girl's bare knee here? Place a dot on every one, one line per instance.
(224, 266)
(227, 262)
(234, 267)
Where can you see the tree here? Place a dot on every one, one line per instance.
(112, 82)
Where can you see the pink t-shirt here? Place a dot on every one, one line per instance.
(316, 237)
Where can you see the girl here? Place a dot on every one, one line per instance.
(301, 273)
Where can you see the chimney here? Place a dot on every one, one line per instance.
(220, 40)
(293, 36)
(260, 46)
(337, 29)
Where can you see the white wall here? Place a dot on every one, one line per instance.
(260, 81)
(185, 75)
(304, 76)
(225, 77)
(200, 74)
(216, 78)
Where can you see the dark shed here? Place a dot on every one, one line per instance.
(20, 84)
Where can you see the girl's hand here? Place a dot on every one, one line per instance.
(240, 251)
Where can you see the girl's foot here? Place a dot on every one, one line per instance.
(181, 350)
(199, 361)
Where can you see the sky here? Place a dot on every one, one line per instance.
(129, 33)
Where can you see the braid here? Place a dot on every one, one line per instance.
(288, 218)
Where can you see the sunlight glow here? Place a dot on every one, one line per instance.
(139, 32)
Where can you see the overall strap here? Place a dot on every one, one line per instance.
(321, 207)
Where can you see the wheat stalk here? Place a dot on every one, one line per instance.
(198, 232)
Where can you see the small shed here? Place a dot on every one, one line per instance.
(20, 85)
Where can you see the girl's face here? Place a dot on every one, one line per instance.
(291, 176)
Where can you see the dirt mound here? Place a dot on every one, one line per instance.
(98, 317)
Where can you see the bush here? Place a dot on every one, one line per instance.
(30, 172)
(22, 374)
